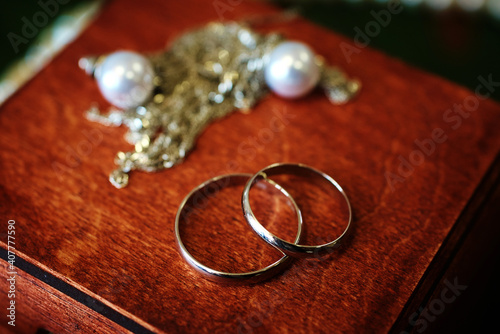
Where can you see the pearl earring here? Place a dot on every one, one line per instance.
(167, 99)
(292, 70)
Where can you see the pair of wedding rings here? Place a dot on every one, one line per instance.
(288, 249)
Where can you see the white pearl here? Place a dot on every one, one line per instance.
(292, 70)
(125, 79)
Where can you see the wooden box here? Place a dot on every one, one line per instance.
(415, 154)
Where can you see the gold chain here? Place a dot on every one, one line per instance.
(203, 76)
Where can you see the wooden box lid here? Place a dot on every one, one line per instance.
(118, 246)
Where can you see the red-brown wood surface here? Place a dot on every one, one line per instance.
(118, 246)
(43, 306)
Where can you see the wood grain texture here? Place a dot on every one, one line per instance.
(119, 245)
(474, 268)
(40, 306)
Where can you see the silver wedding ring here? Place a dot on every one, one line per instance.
(210, 188)
(292, 249)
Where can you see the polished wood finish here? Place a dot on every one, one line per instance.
(117, 247)
(39, 305)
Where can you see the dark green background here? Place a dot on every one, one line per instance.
(11, 16)
(454, 44)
